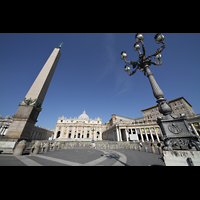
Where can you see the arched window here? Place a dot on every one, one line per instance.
(58, 134)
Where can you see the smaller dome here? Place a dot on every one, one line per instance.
(83, 116)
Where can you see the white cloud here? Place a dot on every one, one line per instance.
(110, 54)
(123, 83)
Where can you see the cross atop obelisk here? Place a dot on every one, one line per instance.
(29, 109)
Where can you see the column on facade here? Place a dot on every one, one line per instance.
(117, 134)
(36, 135)
(39, 135)
(81, 133)
(62, 132)
(194, 129)
(33, 135)
(141, 134)
(44, 135)
(146, 134)
(67, 131)
(156, 134)
(90, 133)
(85, 131)
(1, 129)
(77, 131)
(73, 132)
(136, 134)
(120, 134)
(100, 133)
(55, 132)
(136, 131)
(151, 134)
(127, 136)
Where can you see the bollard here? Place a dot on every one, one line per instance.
(54, 146)
(35, 148)
(135, 147)
(160, 150)
(45, 147)
(19, 148)
(57, 145)
(50, 146)
(153, 149)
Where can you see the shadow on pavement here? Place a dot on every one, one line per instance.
(114, 156)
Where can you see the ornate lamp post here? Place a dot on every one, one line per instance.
(175, 129)
(93, 129)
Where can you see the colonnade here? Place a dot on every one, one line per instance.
(3, 129)
(151, 134)
(39, 136)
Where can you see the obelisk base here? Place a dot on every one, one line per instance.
(22, 125)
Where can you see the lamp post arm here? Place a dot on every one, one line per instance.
(157, 51)
(156, 63)
(128, 62)
(133, 72)
(143, 47)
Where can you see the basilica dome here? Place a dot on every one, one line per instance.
(83, 116)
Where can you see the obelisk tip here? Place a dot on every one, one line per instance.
(60, 45)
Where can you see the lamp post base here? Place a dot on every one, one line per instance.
(177, 134)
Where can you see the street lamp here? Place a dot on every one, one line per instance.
(93, 129)
(175, 129)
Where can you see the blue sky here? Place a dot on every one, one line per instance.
(90, 74)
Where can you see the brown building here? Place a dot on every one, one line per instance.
(179, 105)
(145, 128)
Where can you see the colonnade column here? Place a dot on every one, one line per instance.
(146, 134)
(55, 132)
(156, 134)
(141, 135)
(67, 132)
(151, 135)
(126, 135)
(62, 132)
(194, 129)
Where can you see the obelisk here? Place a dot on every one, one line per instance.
(29, 109)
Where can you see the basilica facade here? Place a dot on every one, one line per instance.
(79, 129)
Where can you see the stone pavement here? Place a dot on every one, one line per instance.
(85, 157)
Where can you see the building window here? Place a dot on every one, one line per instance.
(79, 135)
(61, 120)
(70, 135)
(58, 134)
(88, 135)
